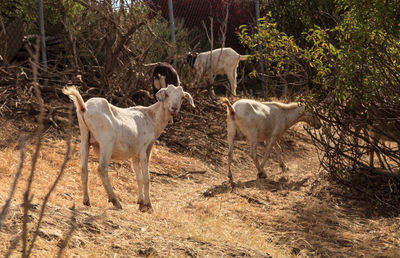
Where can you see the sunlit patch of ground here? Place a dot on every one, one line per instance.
(196, 212)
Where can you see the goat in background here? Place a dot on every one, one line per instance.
(217, 62)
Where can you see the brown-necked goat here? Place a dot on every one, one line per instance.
(123, 133)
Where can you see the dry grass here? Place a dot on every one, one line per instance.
(287, 215)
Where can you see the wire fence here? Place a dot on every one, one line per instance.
(213, 23)
(194, 13)
(189, 14)
(197, 18)
(11, 39)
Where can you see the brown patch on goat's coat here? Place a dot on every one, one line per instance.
(151, 114)
(229, 107)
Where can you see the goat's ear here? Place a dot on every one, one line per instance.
(191, 58)
(161, 94)
(189, 98)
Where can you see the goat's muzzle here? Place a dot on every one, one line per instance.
(174, 111)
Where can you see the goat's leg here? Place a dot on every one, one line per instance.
(231, 142)
(197, 81)
(382, 159)
(142, 200)
(144, 164)
(104, 160)
(267, 150)
(84, 165)
(261, 173)
(371, 157)
(232, 81)
(282, 163)
(372, 150)
(139, 178)
(210, 88)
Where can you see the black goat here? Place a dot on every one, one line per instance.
(163, 75)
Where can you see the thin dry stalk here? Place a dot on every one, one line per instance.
(224, 25)
(211, 41)
(210, 37)
(27, 194)
(46, 198)
(71, 38)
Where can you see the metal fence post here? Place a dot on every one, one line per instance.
(42, 35)
(172, 27)
(260, 49)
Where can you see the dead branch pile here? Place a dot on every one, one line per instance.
(102, 51)
(350, 132)
(199, 132)
(19, 103)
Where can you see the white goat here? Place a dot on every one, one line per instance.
(215, 62)
(262, 122)
(123, 133)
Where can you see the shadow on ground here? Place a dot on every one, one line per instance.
(261, 184)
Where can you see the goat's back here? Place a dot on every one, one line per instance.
(222, 58)
(256, 120)
(226, 51)
(266, 110)
(127, 128)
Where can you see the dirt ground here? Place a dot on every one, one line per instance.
(196, 213)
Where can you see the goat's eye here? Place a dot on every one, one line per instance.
(166, 95)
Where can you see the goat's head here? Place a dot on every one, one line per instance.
(310, 117)
(172, 97)
(312, 120)
(191, 58)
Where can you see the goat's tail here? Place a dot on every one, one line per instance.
(74, 94)
(244, 57)
(229, 108)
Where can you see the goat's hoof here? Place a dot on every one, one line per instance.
(87, 203)
(145, 207)
(261, 175)
(116, 203)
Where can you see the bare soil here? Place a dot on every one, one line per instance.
(196, 212)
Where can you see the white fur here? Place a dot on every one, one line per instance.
(262, 122)
(222, 61)
(159, 83)
(123, 133)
